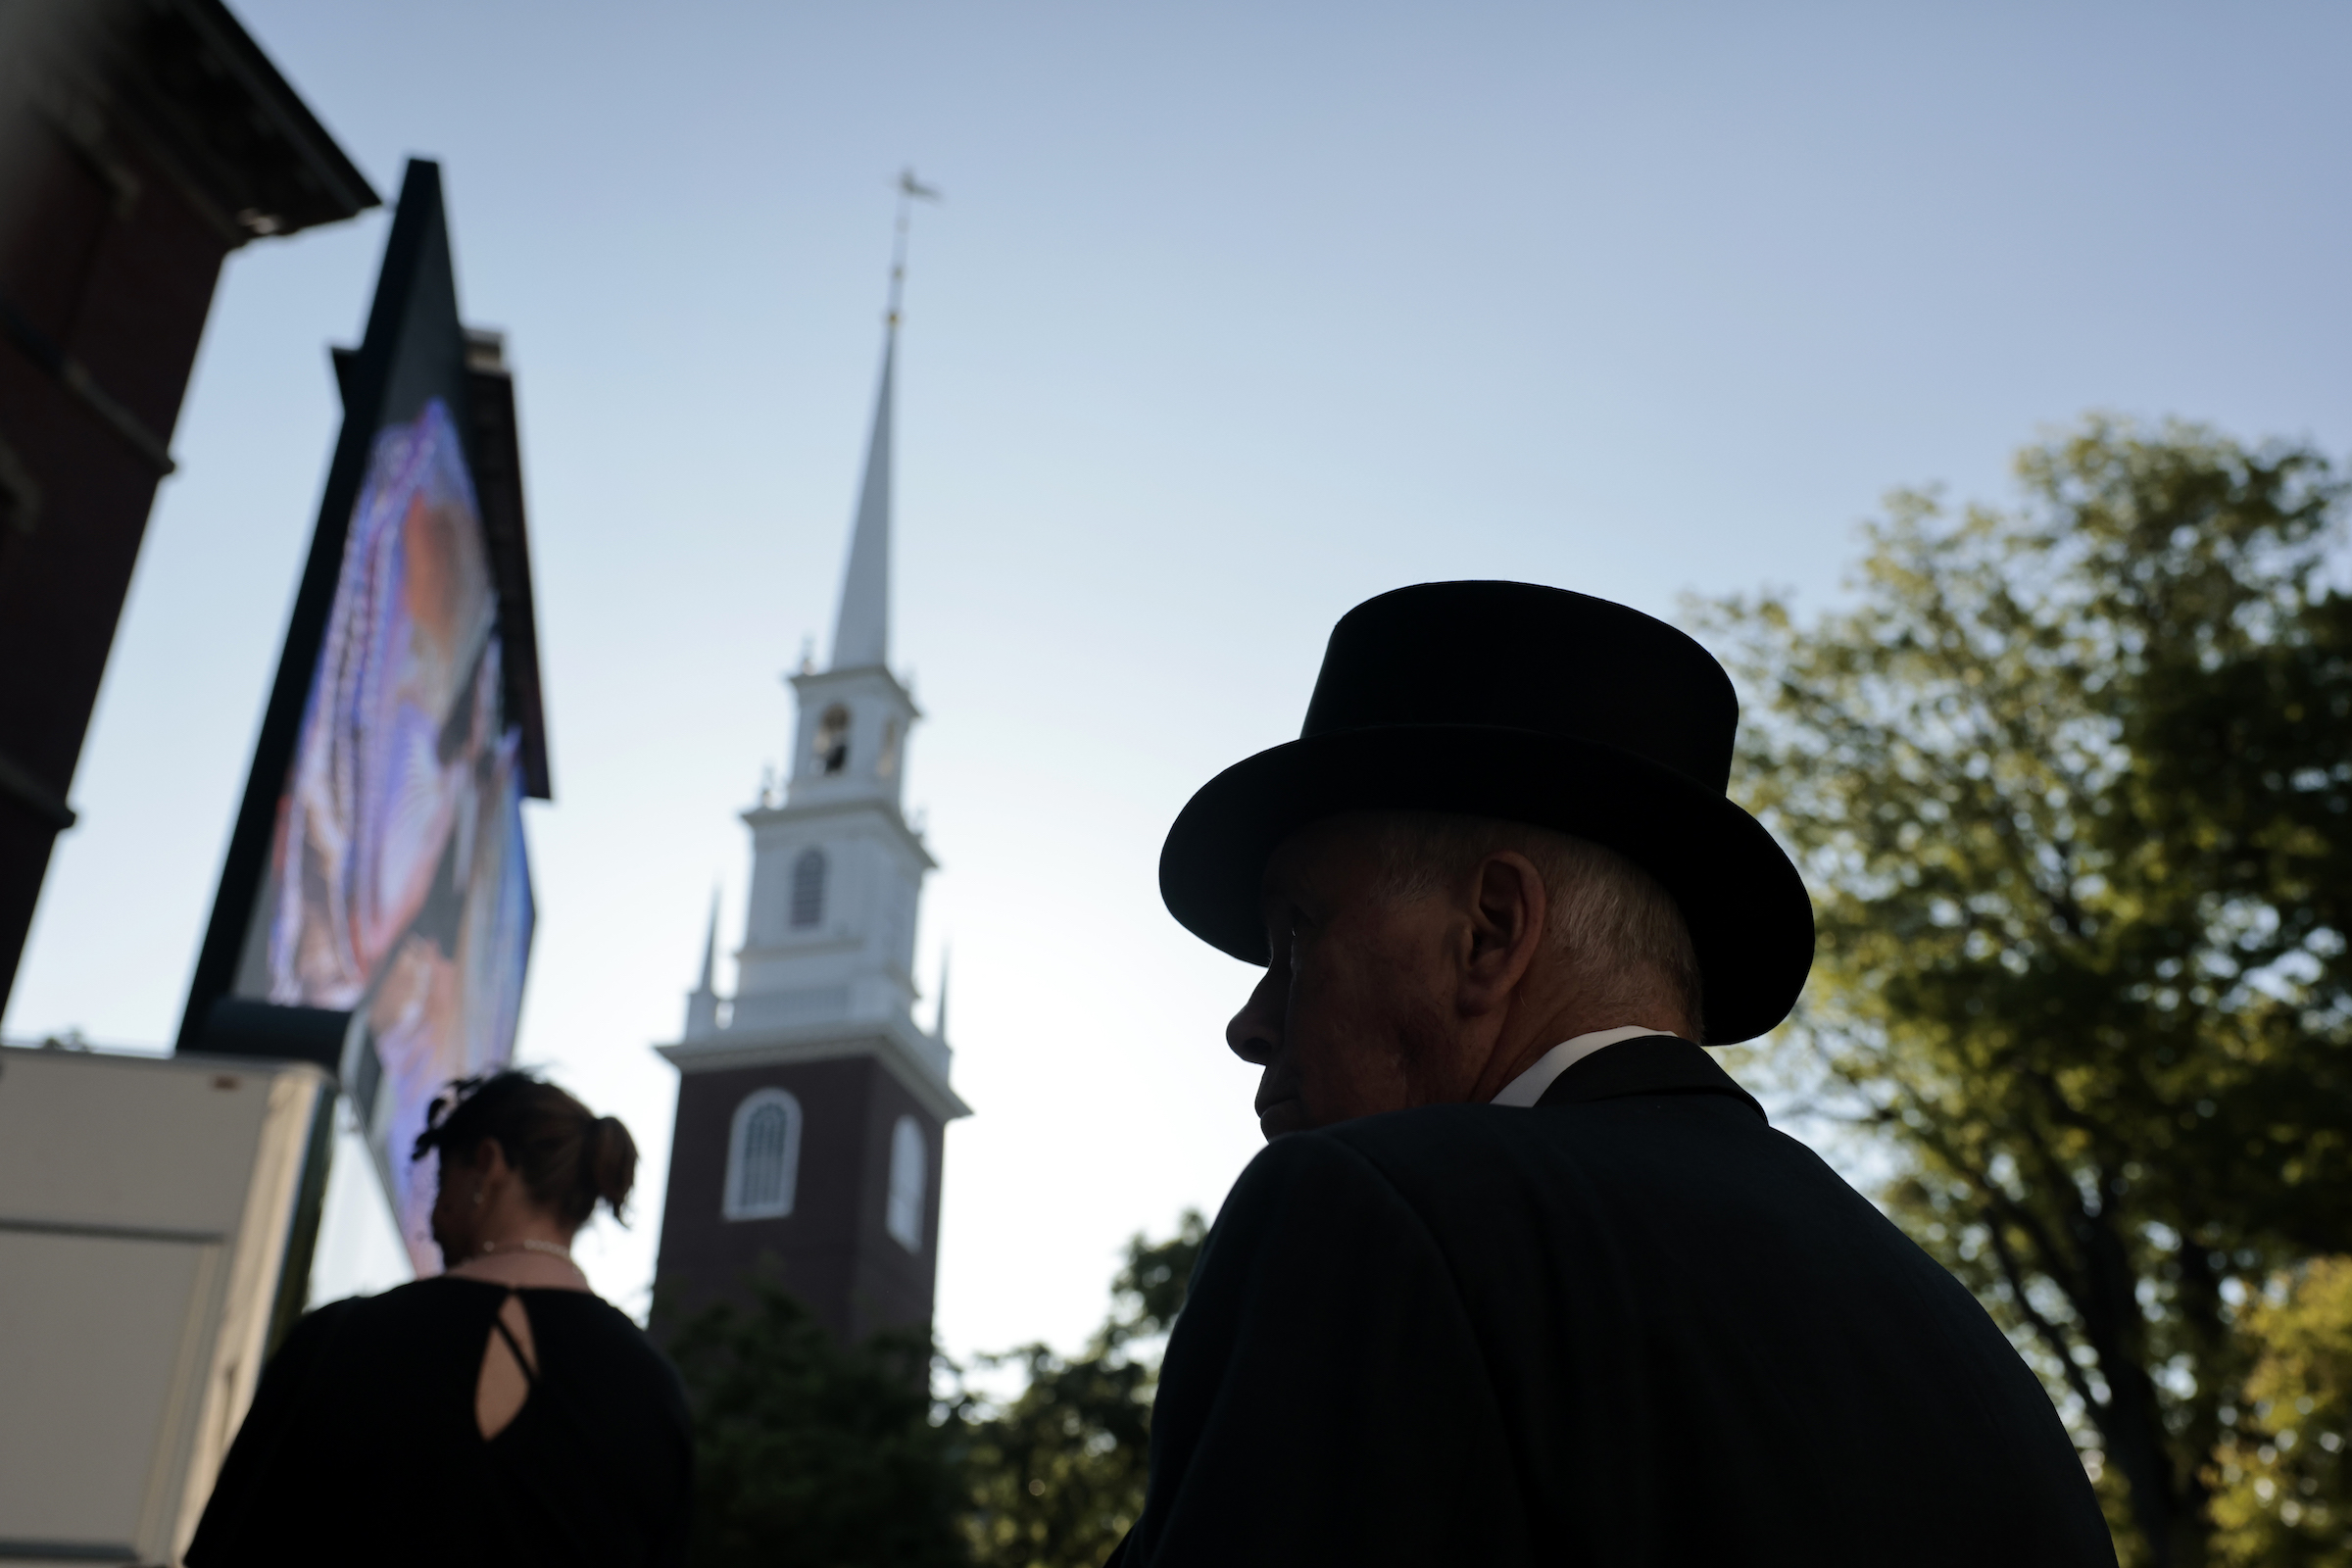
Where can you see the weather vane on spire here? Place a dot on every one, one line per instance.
(911, 190)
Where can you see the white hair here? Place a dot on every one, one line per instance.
(1610, 924)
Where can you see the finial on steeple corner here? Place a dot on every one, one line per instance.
(939, 1021)
(702, 1002)
(711, 951)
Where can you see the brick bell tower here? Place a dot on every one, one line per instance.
(811, 1106)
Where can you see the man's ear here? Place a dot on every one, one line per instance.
(1509, 905)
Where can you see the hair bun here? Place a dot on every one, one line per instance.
(611, 1162)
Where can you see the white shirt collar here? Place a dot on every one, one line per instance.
(1529, 1086)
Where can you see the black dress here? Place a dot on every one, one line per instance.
(361, 1445)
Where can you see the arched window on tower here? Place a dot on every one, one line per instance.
(809, 889)
(833, 740)
(908, 1180)
(764, 1156)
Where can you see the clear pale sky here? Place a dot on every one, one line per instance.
(1234, 316)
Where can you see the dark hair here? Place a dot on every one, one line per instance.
(568, 1157)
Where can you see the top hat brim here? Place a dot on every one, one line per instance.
(1742, 900)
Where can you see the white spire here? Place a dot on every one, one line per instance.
(861, 630)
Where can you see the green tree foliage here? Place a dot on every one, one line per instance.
(2285, 1492)
(2071, 786)
(1058, 1473)
(814, 1454)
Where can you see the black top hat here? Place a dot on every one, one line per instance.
(1533, 705)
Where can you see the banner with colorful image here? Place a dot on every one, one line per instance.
(399, 885)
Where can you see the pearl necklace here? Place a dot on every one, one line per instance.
(528, 1243)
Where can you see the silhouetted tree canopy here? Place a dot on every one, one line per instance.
(1058, 1472)
(2071, 786)
(814, 1454)
(2285, 1475)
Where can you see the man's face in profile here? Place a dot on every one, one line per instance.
(1352, 1018)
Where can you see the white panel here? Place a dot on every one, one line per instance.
(143, 1210)
(196, 1129)
(98, 1335)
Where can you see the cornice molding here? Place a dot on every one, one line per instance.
(892, 1043)
(894, 823)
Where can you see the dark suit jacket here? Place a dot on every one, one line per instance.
(1633, 1324)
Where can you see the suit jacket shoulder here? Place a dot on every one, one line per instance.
(1324, 1395)
(1631, 1324)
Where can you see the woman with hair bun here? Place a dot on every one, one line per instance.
(500, 1412)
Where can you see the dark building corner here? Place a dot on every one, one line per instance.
(140, 142)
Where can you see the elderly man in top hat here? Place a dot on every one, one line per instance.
(1522, 1275)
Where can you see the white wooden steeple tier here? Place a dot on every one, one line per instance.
(837, 874)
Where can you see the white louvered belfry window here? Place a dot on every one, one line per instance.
(908, 1178)
(763, 1155)
(809, 889)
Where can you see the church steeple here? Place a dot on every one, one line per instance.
(837, 871)
(861, 628)
(811, 1104)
